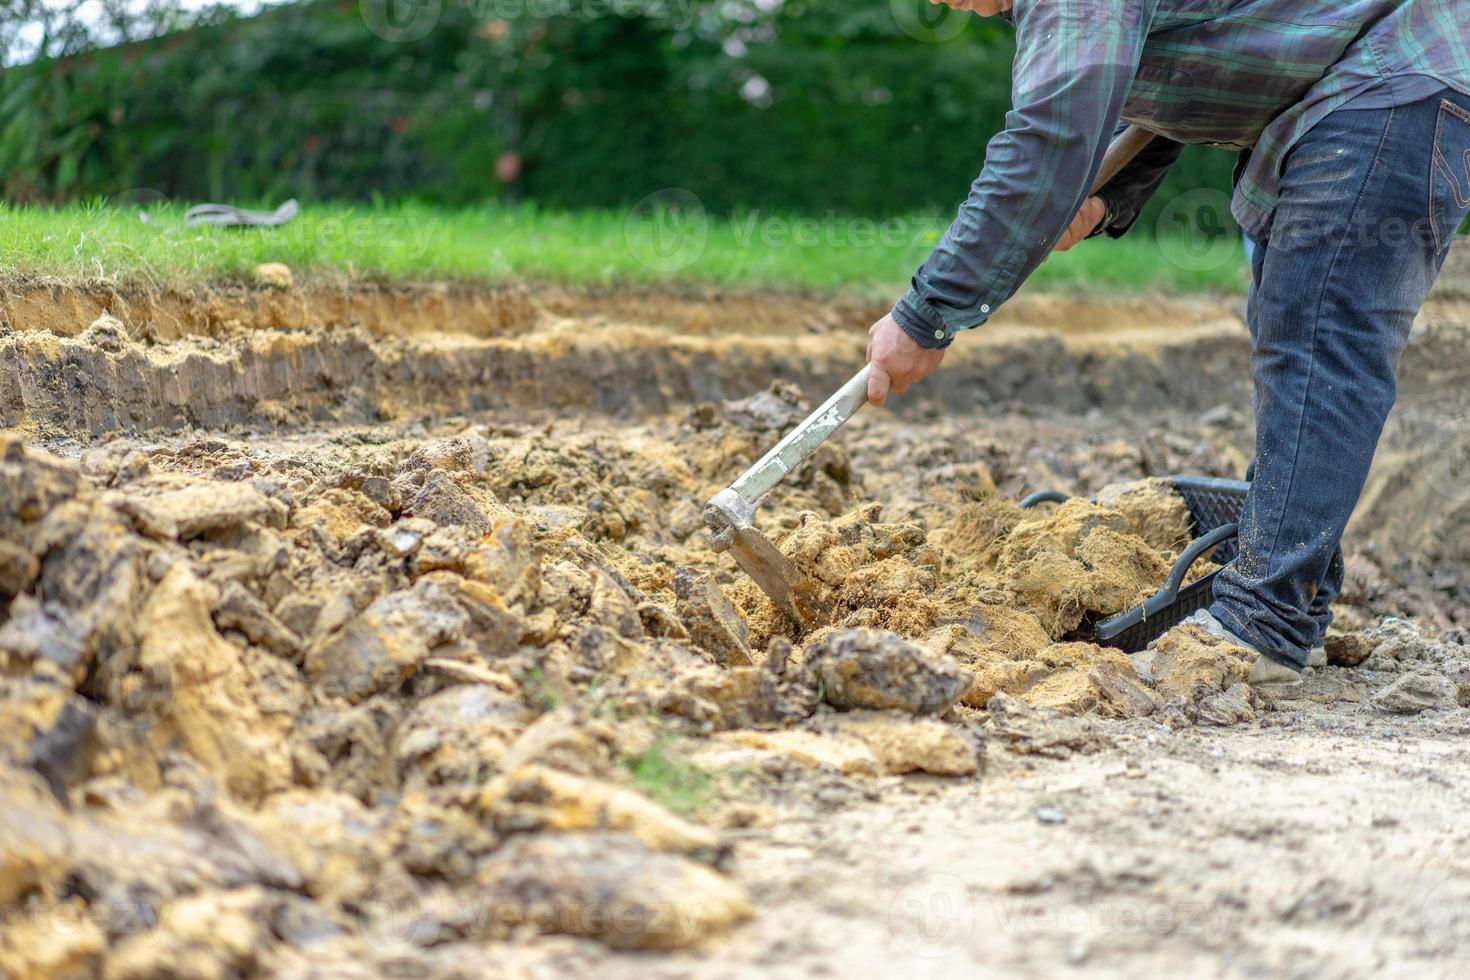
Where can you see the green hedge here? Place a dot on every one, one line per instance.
(855, 115)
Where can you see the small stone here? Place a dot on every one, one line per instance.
(685, 518)
(779, 407)
(380, 648)
(134, 466)
(612, 606)
(1423, 690)
(1462, 687)
(335, 842)
(1234, 706)
(202, 508)
(240, 469)
(381, 491)
(861, 668)
(904, 744)
(18, 569)
(457, 736)
(1187, 656)
(1119, 695)
(1400, 641)
(612, 888)
(507, 559)
(536, 798)
(298, 612)
(1048, 814)
(239, 610)
(703, 415)
(1347, 649)
(446, 503)
(1032, 730)
(202, 694)
(277, 275)
(45, 726)
(399, 541)
(712, 620)
(659, 622)
(768, 696)
(106, 332)
(36, 631)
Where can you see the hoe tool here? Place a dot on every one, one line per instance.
(730, 514)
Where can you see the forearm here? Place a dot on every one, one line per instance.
(1075, 62)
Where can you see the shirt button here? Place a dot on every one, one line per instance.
(939, 335)
(984, 307)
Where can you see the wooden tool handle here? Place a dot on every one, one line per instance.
(1120, 153)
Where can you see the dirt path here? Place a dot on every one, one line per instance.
(1331, 843)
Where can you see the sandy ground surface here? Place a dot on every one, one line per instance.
(353, 651)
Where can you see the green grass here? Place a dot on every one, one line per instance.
(670, 781)
(498, 242)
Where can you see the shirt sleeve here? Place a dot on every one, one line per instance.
(1075, 61)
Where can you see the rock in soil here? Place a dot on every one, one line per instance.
(610, 887)
(711, 619)
(1031, 730)
(1211, 706)
(862, 668)
(537, 798)
(904, 744)
(1422, 690)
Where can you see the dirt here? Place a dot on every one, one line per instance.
(344, 652)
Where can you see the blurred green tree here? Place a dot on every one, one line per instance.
(806, 106)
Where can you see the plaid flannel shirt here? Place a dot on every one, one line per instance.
(1238, 74)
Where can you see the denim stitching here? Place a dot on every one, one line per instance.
(1441, 166)
(1464, 114)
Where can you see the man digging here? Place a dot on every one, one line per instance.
(1352, 118)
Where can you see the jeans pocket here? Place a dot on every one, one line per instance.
(1449, 181)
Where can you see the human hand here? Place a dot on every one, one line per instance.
(1090, 215)
(897, 361)
(985, 8)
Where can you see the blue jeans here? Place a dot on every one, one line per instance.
(1370, 201)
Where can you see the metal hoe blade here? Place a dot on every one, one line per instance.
(792, 591)
(730, 513)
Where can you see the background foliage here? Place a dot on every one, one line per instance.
(811, 106)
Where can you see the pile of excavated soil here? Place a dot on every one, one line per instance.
(260, 700)
(258, 687)
(362, 702)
